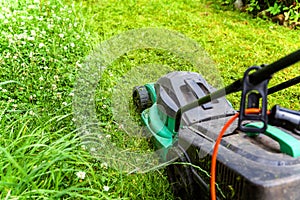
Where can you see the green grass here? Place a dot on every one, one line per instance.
(42, 48)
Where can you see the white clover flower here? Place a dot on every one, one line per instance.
(61, 35)
(43, 32)
(7, 55)
(22, 23)
(78, 64)
(31, 7)
(54, 87)
(93, 149)
(58, 95)
(24, 35)
(20, 36)
(72, 44)
(65, 48)
(8, 14)
(71, 94)
(11, 41)
(105, 188)
(64, 103)
(56, 77)
(41, 78)
(50, 26)
(5, 9)
(104, 165)
(41, 45)
(31, 113)
(33, 33)
(30, 38)
(30, 17)
(80, 175)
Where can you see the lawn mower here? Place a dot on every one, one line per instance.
(256, 156)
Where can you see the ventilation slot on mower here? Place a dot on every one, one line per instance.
(229, 182)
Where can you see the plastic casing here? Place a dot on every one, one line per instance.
(247, 167)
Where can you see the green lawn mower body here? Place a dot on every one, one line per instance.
(249, 165)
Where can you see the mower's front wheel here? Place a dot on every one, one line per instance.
(141, 98)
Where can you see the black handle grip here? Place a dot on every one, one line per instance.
(255, 78)
(283, 114)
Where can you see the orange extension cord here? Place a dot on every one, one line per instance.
(216, 148)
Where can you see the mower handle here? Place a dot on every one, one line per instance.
(255, 78)
(284, 85)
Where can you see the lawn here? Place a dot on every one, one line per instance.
(45, 48)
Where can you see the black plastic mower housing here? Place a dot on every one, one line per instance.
(248, 167)
(179, 88)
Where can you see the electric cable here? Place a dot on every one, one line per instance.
(216, 148)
